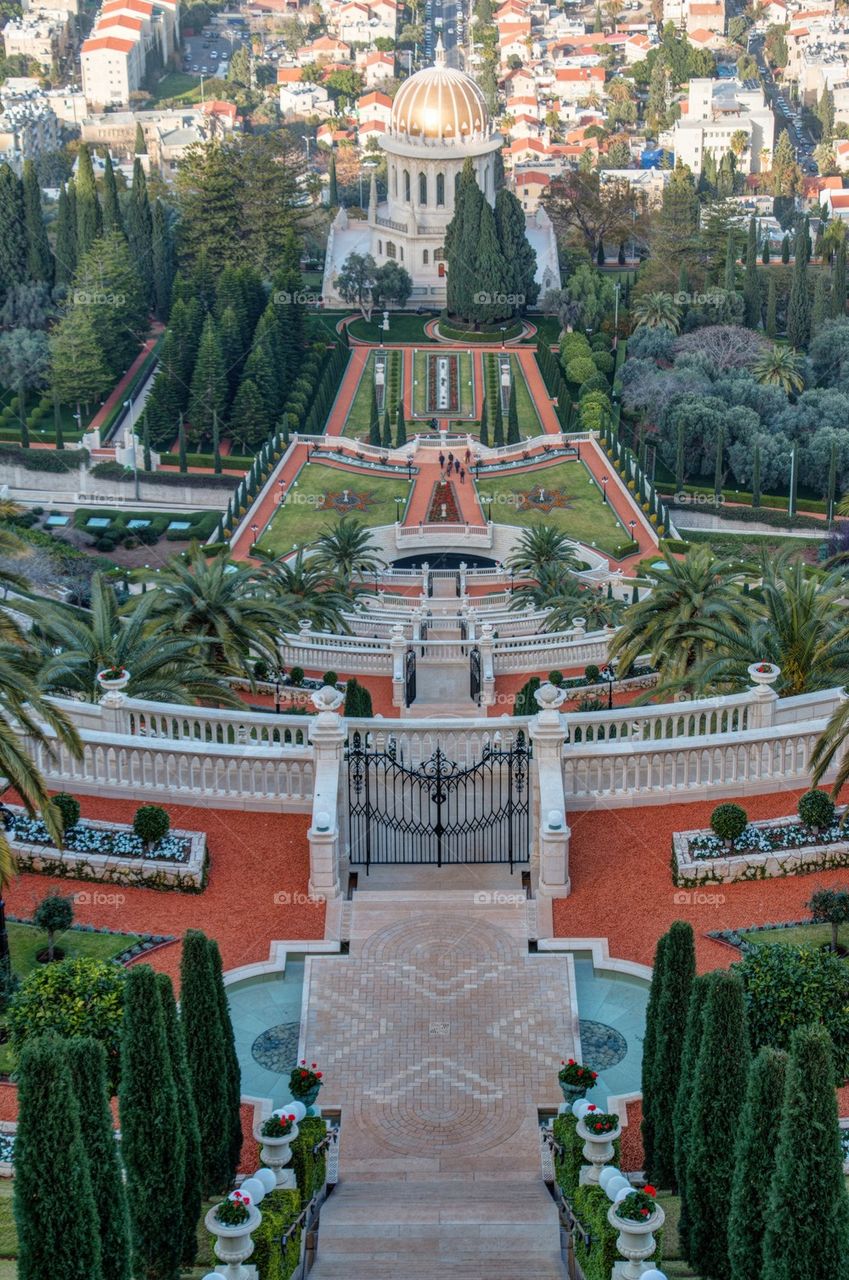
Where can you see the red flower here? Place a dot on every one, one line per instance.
(591, 1106)
(304, 1075)
(318, 1075)
(571, 1062)
(303, 1062)
(650, 1190)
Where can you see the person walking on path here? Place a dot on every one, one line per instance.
(450, 461)
(441, 461)
(457, 465)
(462, 475)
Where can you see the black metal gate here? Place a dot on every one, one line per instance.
(475, 674)
(438, 812)
(410, 677)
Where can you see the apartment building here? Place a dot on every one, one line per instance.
(28, 127)
(127, 36)
(43, 36)
(716, 114)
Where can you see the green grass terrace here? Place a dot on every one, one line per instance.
(465, 386)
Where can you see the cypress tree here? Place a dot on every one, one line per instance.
(831, 486)
(785, 249)
(513, 436)
(152, 1144)
(400, 427)
(498, 426)
(730, 263)
(207, 1059)
(387, 427)
(162, 250)
(719, 1087)
(332, 187)
(87, 1063)
(13, 244)
(756, 476)
(799, 306)
(112, 220)
(807, 1219)
(57, 421)
(650, 1049)
(683, 1099)
(234, 1073)
(754, 1162)
(838, 282)
(191, 1198)
(771, 323)
(216, 445)
(718, 467)
(493, 276)
(484, 431)
(140, 147)
(181, 446)
(55, 1213)
(89, 218)
(455, 235)
(140, 229)
(751, 286)
(374, 420)
(39, 257)
(679, 970)
(516, 250)
(679, 458)
(822, 303)
(765, 253)
(148, 461)
(66, 237)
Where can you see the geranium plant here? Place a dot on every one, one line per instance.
(112, 673)
(596, 1121)
(234, 1211)
(277, 1126)
(637, 1206)
(304, 1079)
(572, 1072)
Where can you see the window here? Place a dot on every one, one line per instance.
(438, 255)
(402, 253)
(423, 188)
(440, 190)
(407, 185)
(380, 246)
(390, 249)
(425, 257)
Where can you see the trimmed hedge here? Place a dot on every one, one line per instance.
(193, 479)
(756, 515)
(55, 460)
(774, 500)
(590, 1205)
(279, 1211)
(233, 461)
(310, 1170)
(567, 1167)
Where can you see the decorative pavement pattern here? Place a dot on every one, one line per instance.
(602, 1047)
(276, 1048)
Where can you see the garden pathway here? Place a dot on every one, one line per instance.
(440, 1035)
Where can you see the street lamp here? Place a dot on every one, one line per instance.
(398, 502)
(409, 467)
(503, 332)
(128, 404)
(633, 525)
(604, 480)
(255, 532)
(609, 674)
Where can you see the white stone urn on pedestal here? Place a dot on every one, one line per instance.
(233, 1245)
(597, 1150)
(763, 673)
(113, 685)
(276, 1154)
(635, 1242)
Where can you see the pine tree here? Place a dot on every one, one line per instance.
(80, 373)
(87, 1062)
(484, 429)
(107, 278)
(785, 249)
(66, 238)
(57, 421)
(234, 1075)
(822, 303)
(332, 187)
(770, 326)
(831, 486)
(679, 458)
(400, 427)
(39, 257)
(162, 251)
(681, 1114)
(498, 425)
(89, 218)
(799, 306)
(13, 244)
(140, 229)
(714, 1122)
(152, 1144)
(216, 445)
(55, 1213)
(387, 427)
(838, 282)
(112, 220)
(751, 285)
(730, 263)
(209, 385)
(207, 1059)
(650, 1048)
(191, 1199)
(807, 1219)
(754, 1162)
(250, 422)
(513, 436)
(231, 350)
(181, 446)
(679, 970)
(756, 476)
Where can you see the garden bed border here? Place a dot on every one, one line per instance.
(689, 872)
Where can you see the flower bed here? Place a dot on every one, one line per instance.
(774, 847)
(443, 496)
(109, 852)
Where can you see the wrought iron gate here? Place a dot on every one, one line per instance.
(475, 674)
(438, 812)
(410, 677)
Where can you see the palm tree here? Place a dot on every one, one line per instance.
(669, 624)
(657, 311)
(559, 591)
(77, 643)
(228, 604)
(306, 590)
(739, 142)
(348, 549)
(540, 547)
(780, 367)
(832, 742)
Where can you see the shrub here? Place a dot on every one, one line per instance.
(603, 361)
(816, 809)
(54, 914)
(787, 987)
(44, 459)
(151, 823)
(591, 673)
(597, 1254)
(331, 678)
(728, 822)
(595, 382)
(574, 346)
(296, 676)
(279, 1211)
(567, 1166)
(525, 703)
(310, 1170)
(68, 808)
(76, 997)
(830, 906)
(580, 369)
(555, 678)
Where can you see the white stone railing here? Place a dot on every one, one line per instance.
(706, 717)
(461, 740)
(473, 535)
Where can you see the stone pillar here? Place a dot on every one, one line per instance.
(425, 575)
(418, 618)
(487, 666)
(463, 570)
(763, 697)
(327, 736)
(398, 647)
(548, 735)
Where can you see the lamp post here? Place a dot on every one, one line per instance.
(255, 532)
(609, 674)
(398, 502)
(128, 404)
(632, 524)
(503, 332)
(512, 580)
(604, 480)
(409, 467)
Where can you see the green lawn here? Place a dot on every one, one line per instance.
(748, 546)
(802, 935)
(178, 84)
(529, 423)
(403, 327)
(464, 387)
(586, 519)
(304, 514)
(548, 328)
(357, 422)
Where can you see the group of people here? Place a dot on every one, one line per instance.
(453, 466)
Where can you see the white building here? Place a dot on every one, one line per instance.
(439, 120)
(127, 35)
(42, 36)
(715, 112)
(28, 128)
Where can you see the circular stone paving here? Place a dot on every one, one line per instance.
(276, 1048)
(602, 1047)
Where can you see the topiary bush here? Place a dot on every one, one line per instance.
(595, 382)
(68, 809)
(151, 824)
(331, 678)
(296, 676)
(728, 822)
(279, 1211)
(54, 914)
(816, 809)
(555, 678)
(787, 987)
(580, 369)
(603, 361)
(591, 673)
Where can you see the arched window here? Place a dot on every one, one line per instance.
(423, 188)
(440, 190)
(407, 185)
(425, 257)
(390, 249)
(402, 253)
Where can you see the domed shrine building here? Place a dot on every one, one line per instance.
(439, 120)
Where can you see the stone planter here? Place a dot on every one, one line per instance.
(767, 677)
(635, 1241)
(308, 1098)
(598, 1150)
(113, 684)
(276, 1154)
(572, 1092)
(233, 1245)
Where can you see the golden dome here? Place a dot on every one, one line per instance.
(439, 103)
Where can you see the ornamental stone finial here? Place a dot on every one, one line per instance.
(548, 697)
(327, 698)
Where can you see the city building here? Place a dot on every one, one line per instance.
(715, 116)
(28, 128)
(128, 36)
(42, 36)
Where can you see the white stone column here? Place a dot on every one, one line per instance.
(398, 647)
(327, 736)
(763, 697)
(548, 735)
(487, 666)
(463, 570)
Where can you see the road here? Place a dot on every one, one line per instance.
(446, 18)
(803, 140)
